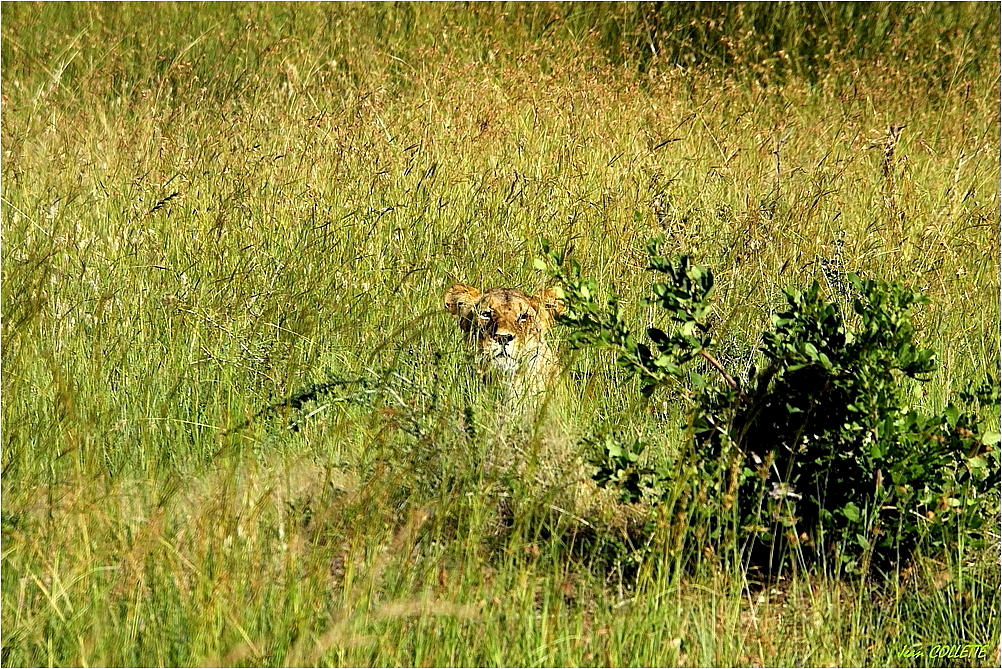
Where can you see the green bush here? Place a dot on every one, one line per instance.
(816, 450)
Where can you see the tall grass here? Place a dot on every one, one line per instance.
(207, 208)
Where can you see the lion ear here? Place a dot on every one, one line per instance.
(460, 299)
(553, 305)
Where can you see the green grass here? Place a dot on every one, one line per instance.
(206, 208)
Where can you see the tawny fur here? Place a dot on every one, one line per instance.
(509, 329)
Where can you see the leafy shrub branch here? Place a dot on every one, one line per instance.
(814, 450)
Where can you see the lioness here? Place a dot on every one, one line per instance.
(509, 328)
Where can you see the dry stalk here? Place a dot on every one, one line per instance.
(887, 168)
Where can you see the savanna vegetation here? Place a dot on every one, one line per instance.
(239, 428)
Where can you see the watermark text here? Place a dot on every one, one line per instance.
(946, 651)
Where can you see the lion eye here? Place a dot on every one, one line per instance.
(523, 318)
(486, 315)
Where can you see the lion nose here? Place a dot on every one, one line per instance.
(504, 339)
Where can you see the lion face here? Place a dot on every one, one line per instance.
(509, 328)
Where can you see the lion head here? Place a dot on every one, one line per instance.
(509, 328)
